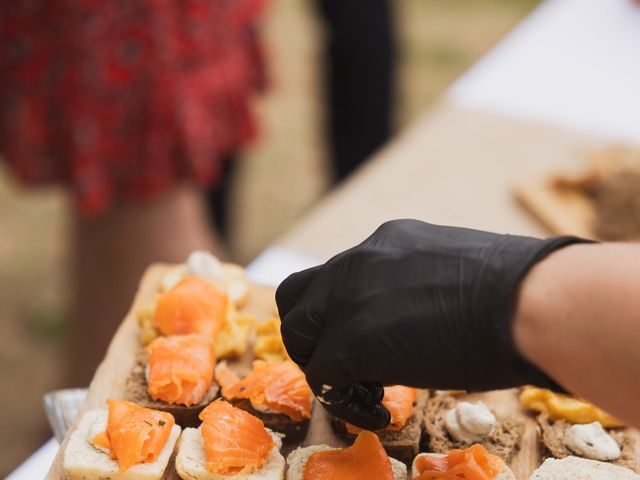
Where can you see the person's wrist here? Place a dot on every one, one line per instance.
(533, 324)
(524, 258)
(530, 309)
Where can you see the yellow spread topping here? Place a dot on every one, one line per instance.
(269, 345)
(148, 331)
(230, 342)
(563, 407)
(232, 339)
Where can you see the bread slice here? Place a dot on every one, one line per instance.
(298, 459)
(293, 431)
(191, 460)
(504, 441)
(403, 444)
(82, 461)
(136, 391)
(575, 468)
(553, 432)
(506, 473)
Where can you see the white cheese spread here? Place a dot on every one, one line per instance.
(200, 264)
(205, 265)
(592, 441)
(469, 422)
(173, 276)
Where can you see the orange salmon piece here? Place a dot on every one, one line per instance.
(399, 401)
(364, 460)
(235, 441)
(180, 368)
(473, 463)
(280, 387)
(194, 305)
(134, 434)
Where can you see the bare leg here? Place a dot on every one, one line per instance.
(109, 256)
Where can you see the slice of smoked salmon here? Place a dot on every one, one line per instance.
(180, 368)
(399, 401)
(364, 460)
(473, 463)
(194, 305)
(280, 387)
(134, 434)
(235, 441)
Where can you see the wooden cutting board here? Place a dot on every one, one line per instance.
(561, 211)
(109, 382)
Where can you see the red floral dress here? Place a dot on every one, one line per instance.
(120, 99)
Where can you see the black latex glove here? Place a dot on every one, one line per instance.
(414, 304)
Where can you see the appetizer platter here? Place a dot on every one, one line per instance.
(196, 385)
(598, 201)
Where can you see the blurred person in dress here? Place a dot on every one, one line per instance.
(135, 108)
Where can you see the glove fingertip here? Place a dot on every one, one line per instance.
(360, 405)
(373, 417)
(291, 289)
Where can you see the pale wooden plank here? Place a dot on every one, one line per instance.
(561, 211)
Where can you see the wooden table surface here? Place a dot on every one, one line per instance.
(454, 166)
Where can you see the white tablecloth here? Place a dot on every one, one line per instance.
(37, 465)
(571, 63)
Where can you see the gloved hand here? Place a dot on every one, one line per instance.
(414, 304)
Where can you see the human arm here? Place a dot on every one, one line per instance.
(578, 319)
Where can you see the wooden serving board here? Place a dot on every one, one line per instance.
(109, 382)
(561, 211)
(110, 378)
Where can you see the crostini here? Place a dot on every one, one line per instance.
(175, 374)
(473, 463)
(574, 468)
(275, 392)
(200, 263)
(128, 442)
(366, 459)
(197, 305)
(231, 444)
(401, 439)
(452, 423)
(573, 427)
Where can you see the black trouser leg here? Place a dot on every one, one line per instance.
(360, 79)
(218, 198)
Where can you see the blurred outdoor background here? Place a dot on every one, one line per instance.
(439, 40)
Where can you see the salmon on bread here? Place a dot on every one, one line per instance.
(365, 459)
(180, 368)
(230, 443)
(402, 438)
(277, 393)
(127, 442)
(473, 463)
(194, 305)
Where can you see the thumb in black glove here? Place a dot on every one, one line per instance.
(415, 304)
